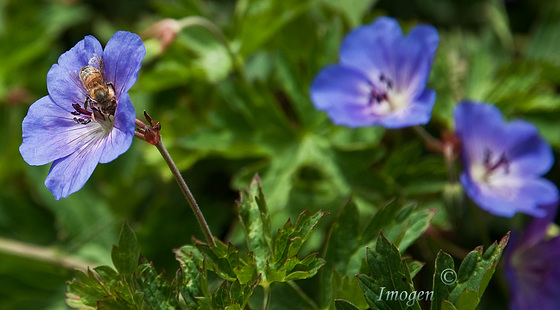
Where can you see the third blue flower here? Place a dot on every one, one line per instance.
(503, 162)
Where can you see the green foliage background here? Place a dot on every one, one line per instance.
(228, 112)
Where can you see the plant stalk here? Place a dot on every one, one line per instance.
(186, 191)
(42, 254)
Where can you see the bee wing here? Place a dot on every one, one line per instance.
(95, 61)
(75, 77)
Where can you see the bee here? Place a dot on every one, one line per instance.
(100, 94)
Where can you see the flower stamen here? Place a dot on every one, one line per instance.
(379, 93)
(491, 167)
(88, 116)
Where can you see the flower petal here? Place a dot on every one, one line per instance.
(415, 56)
(528, 153)
(120, 138)
(339, 86)
(512, 195)
(63, 82)
(536, 230)
(370, 49)
(479, 126)
(69, 174)
(122, 59)
(50, 133)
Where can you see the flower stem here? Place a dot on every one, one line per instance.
(266, 300)
(43, 254)
(428, 138)
(186, 192)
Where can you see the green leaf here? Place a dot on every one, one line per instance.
(472, 279)
(545, 41)
(445, 267)
(255, 219)
(84, 291)
(88, 291)
(342, 304)
(233, 295)
(284, 264)
(192, 275)
(226, 262)
(262, 20)
(409, 227)
(157, 293)
(389, 276)
(384, 215)
(414, 266)
(290, 238)
(353, 10)
(354, 139)
(344, 238)
(342, 243)
(125, 255)
(348, 289)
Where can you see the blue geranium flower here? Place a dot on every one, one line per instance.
(381, 78)
(87, 118)
(503, 162)
(531, 266)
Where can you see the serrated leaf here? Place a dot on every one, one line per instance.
(474, 275)
(481, 274)
(157, 293)
(444, 262)
(284, 264)
(191, 275)
(87, 291)
(290, 238)
(224, 260)
(84, 291)
(390, 274)
(125, 255)
(255, 219)
(233, 294)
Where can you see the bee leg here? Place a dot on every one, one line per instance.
(112, 85)
(96, 111)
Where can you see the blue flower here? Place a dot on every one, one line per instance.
(531, 266)
(381, 78)
(87, 118)
(503, 162)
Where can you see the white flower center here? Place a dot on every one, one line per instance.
(491, 168)
(383, 97)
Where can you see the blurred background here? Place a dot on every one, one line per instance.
(231, 90)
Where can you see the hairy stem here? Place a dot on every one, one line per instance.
(186, 191)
